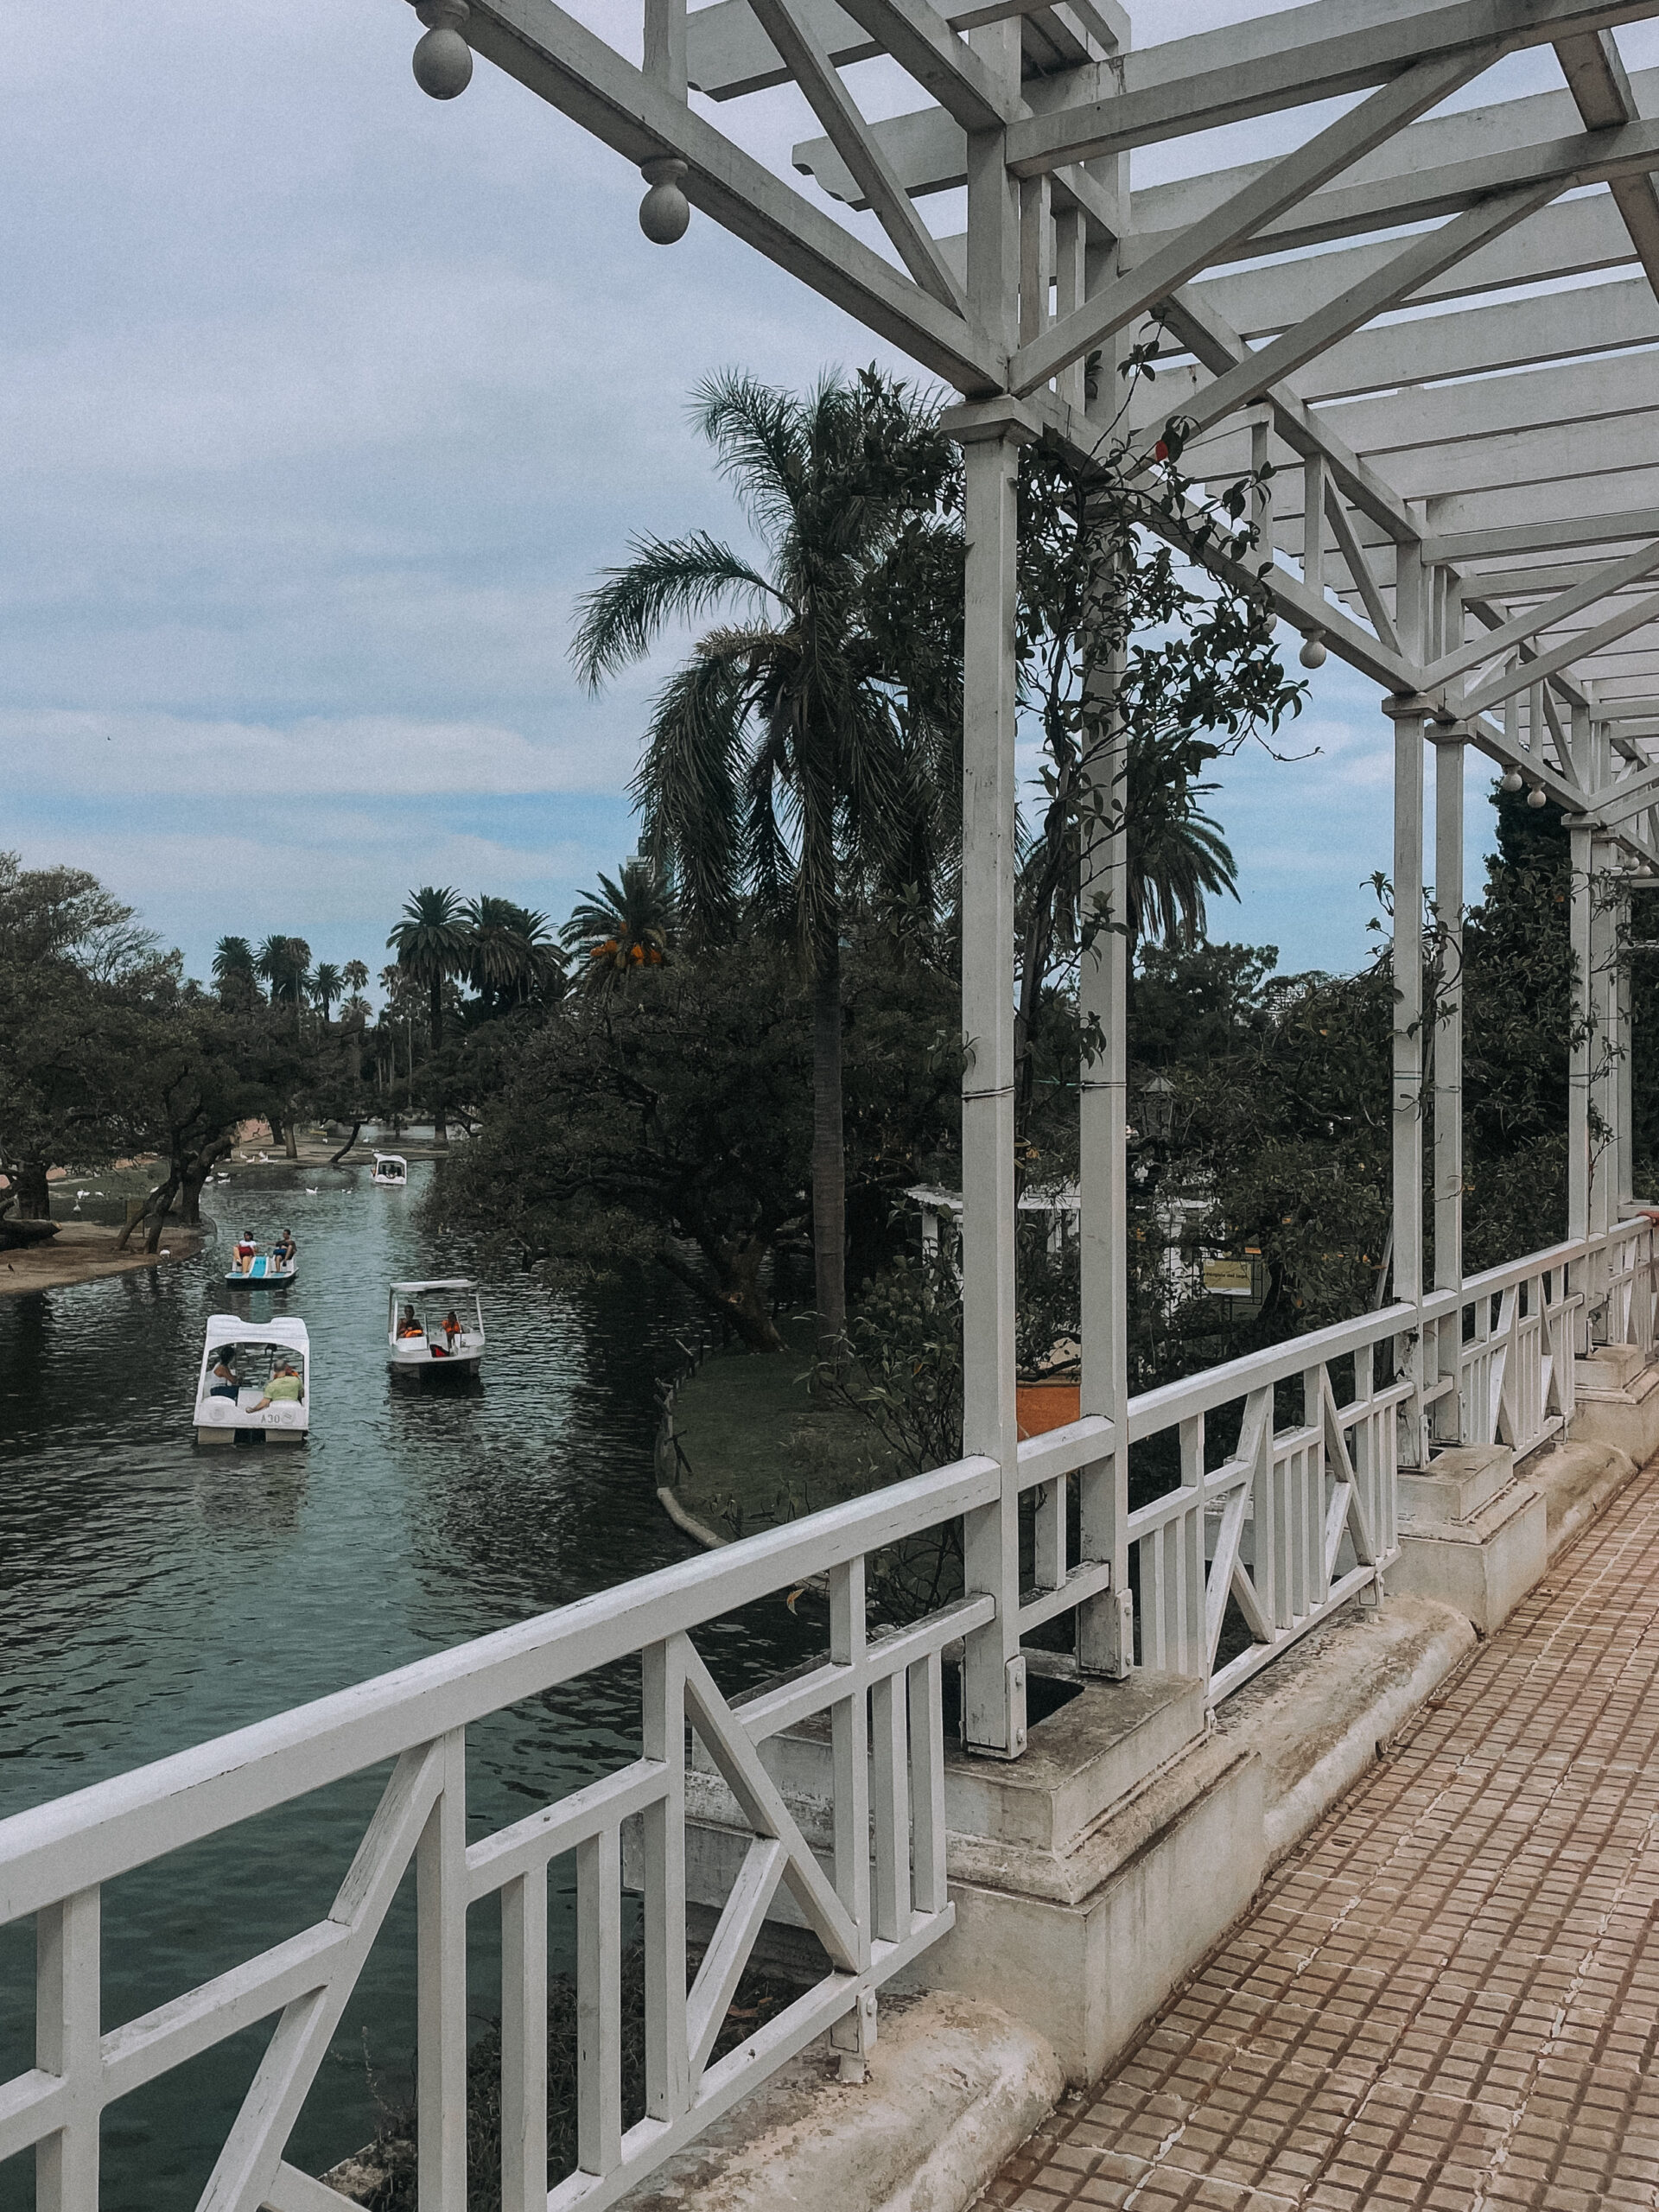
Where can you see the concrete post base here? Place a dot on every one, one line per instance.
(1618, 1402)
(1083, 1910)
(1471, 1536)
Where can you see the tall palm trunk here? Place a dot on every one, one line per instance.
(828, 1153)
(440, 1126)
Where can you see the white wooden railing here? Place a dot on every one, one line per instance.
(1295, 1517)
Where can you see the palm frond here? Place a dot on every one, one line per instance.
(667, 579)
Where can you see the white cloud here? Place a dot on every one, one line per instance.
(97, 754)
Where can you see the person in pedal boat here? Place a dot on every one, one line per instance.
(283, 1389)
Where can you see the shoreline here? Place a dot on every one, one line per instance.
(84, 1252)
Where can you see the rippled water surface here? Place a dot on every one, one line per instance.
(153, 1594)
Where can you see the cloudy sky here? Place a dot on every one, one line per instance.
(320, 401)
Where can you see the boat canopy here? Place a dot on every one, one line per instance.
(419, 1289)
(232, 1328)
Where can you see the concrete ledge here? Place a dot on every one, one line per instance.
(1577, 1482)
(954, 2087)
(1325, 1710)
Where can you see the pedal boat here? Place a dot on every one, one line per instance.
(256, 1350)
(422, 1347)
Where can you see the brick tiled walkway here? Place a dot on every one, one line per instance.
(1448, 1996)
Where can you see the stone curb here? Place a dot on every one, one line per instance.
(954, 2087)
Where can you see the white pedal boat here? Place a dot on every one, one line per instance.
(259, 1354)
(259, 1270)
(389, 1171)
(417, 1336)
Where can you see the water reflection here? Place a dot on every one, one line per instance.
(153, 1594)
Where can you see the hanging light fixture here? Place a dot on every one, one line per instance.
(442, 60)
(665, 211)
(1538, 796)
(1511, 783)
(1312, 654)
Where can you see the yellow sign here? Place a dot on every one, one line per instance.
(1230, 1278)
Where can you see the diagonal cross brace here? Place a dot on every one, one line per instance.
(1418, 263)
(786, 26)
(1600, 584)
(1256, 204)
(728, 1743)
(247, 2167)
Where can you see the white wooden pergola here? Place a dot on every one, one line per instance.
(1483, 544)
(1477, 542)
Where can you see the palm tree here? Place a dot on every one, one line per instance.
(431, 945)
(624, 926)
(510, 956)
(784, 763)
(285, 963)
(355, 977)
(1178, 856)
(235, 972)
(326, 985)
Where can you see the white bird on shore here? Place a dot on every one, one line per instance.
(310, 1190)
(83, 1194)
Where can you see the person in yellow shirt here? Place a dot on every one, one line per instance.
(284, 1386)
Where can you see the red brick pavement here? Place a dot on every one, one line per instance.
(1447, 1997)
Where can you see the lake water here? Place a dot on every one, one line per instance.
(154, 1593)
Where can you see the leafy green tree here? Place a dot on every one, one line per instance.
(787, 764)
(71, 955)
(648, 1125)
(1196, 673)
(431, 943)
(625, 925)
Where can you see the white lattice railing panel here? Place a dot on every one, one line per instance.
(1296, 1517)
(880, 1904)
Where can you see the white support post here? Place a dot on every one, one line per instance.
(67, 2027)
(993, 1714)
(1624, 1101)
(665, 46)
(662, 1738)
(441, 1988)
(1582, 1057)
(1069, 264)
(1449, 758)
(1105, 1625)
(1405, 1104)
(1036, 255)
(523, 2043)
(993, 1673)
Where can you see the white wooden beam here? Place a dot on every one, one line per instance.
(563, 63)
(1278, 360)
(1570, 239)
(787, 27)
(1301, 54)
(1505, 686)
(1540, 619)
